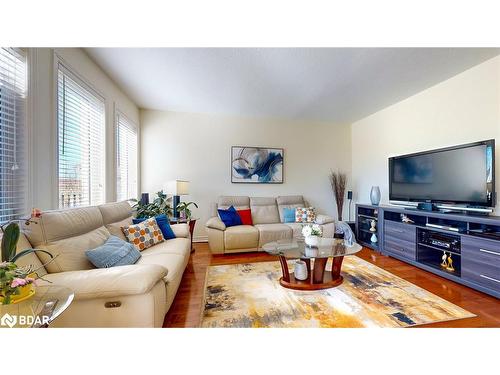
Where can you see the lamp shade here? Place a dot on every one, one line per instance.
(177, 187)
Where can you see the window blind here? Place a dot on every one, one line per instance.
(126, 158)
(13, 181)
(81, 142)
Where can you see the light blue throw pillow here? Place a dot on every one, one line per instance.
(289, 215)
(114, 252)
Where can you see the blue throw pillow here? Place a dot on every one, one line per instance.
(289, 215)
(163, 224)
(230, 217)
(114, 252)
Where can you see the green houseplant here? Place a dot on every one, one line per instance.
(16, 283)
(160, 205)
(183, 208)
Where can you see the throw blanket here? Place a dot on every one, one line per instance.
(342, 227)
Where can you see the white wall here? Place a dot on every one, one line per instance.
(196, 147)
(463, 109)
(43, 125)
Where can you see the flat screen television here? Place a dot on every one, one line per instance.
(462, 174)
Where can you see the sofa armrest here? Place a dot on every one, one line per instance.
(216, 223)
(181, 230)
(108, 282)
(324, 219)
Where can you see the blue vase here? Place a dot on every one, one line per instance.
(375, 195)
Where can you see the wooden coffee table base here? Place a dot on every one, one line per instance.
(319, 277)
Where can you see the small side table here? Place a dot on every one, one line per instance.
(191, 222)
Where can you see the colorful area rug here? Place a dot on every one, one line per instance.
(249, 295)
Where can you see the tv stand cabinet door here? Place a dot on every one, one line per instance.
(481, 262)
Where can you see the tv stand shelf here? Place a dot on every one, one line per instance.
(476, 259)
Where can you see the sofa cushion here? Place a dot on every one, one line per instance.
(163, 223)
(289, 201)
(179, 246)
(174, 263)
(112, 253)
(181, 230)
(296, 229)
(116, 228)
(241, 237)
(115, 212)
(230, 217)
(110, 282)
(273, 232)
(239, 202)
(144, 234)
(264, 210)
(67, 234)
(30, 259)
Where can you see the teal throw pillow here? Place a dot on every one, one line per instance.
(289, 215)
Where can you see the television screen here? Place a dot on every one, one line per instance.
(461, 174)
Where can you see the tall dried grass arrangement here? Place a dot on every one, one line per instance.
(338, 181)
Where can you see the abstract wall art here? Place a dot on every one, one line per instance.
(256, 165)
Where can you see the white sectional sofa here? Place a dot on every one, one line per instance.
(143, 292)
(268, 223)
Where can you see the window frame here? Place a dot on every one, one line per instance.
(117, 113)
(26, 139)
(73, 73)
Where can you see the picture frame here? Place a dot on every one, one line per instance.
(257, 165)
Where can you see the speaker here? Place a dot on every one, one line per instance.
(349, 194)
(426, 206)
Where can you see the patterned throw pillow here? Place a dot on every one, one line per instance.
(144, 235)
(305, 215)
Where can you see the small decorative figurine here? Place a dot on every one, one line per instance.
(449, 267)
(444, 264)
(373, 229)
(406, 219)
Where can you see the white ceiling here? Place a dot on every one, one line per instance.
(332, 84)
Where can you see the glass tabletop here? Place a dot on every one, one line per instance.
(48, 302)
(297, 248)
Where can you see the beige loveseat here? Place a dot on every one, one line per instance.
(142, 293)
(267, 217)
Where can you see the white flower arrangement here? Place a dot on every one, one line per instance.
(312, 230)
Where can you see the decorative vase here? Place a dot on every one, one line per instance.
(25, 292)
(312, 241)
(300, 270)
(311, 252)
(374, 238)
(375, 195)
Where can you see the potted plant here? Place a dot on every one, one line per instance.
(16, 283)
(160, 205)
(312, 234)
(184, 211)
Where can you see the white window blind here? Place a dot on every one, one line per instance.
(81, 135)
(13, 181)
(126, 158)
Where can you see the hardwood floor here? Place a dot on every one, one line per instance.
(186, 309)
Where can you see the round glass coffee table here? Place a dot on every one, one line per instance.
(48, 302)
(317, 276)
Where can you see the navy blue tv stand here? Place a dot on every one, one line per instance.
(476, 259)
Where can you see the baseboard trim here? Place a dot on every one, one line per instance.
(200, 239)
